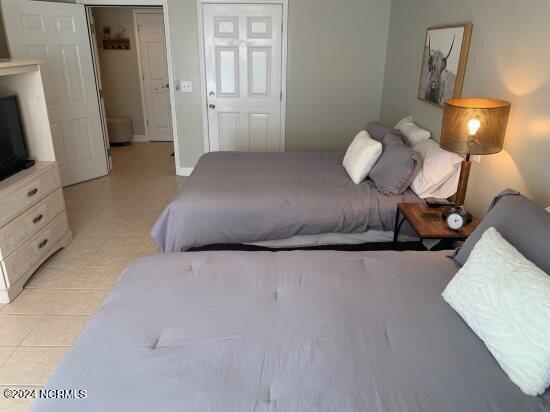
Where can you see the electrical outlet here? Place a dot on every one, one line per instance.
(186, 86)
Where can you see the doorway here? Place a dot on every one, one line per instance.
(132, 69)
(244, 63)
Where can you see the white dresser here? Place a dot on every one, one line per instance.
(33, 224)
(33, 221)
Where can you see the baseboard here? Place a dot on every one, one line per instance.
(140, 138)
(184, 171)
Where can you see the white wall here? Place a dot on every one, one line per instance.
(509, 59)
(119, 68)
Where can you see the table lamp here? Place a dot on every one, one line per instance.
(473, 127)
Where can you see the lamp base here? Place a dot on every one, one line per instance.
(465, 167)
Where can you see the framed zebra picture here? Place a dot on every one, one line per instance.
(444, 62)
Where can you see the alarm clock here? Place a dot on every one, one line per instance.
(457, 217)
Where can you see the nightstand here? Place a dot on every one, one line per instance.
(428, 223)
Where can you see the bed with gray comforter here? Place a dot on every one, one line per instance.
(289, 331)
(236, 197)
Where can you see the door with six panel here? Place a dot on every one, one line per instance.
(243, 61)
(57, 34)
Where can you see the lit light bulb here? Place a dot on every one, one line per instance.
(473, 126)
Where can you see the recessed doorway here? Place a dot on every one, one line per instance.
(133, 72)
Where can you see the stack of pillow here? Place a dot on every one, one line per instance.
(402, 157)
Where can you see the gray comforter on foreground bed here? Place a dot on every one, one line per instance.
(235, 197)
(288, 331)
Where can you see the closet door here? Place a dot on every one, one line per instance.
(154, 70)
(57, 34)
(243, 61)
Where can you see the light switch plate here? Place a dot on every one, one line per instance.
(186, 86)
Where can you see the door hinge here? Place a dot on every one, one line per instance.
(281, 27)
(281, 96)
(147, 120)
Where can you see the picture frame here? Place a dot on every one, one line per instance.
(445, 54)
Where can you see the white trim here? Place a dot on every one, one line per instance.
(92, 34)
(172, 82)
(202, 66)
(202, 57)
(284, 57)
(140, 138)
(184, 171)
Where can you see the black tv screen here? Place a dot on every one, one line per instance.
(13, 151)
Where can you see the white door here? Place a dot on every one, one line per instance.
(57, 34)
(154, 70)
(243, 59)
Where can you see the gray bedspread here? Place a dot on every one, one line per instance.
(235, 197)
(289, 331)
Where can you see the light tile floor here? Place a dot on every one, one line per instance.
(110, 218)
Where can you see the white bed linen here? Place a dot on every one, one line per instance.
(371, 236)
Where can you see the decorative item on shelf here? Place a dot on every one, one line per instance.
(106, 32)
(116, 44)
(444, 63)
(121, 34)
(474, 126)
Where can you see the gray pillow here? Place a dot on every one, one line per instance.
(521, 222)
(378, 131)
(397, 167)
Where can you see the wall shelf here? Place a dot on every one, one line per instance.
(116, 44)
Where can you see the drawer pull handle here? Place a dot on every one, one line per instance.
(32, 192)
(37, 219)
(43, 243)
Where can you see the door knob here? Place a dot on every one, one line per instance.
(167, 86)
(212, 106)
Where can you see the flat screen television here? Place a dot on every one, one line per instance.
(13, 150)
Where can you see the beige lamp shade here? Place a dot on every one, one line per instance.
(474, 126)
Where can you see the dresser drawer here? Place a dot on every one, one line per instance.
(20, 261)
(15, 233)
(29, 192)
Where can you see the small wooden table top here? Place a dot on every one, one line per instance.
(428, 222)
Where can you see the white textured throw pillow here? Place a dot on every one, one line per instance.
(361, 156)
(438, 177)
(413, 133)
(505, 299)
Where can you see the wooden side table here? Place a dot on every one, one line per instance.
(428, 222)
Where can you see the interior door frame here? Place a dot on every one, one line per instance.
(135, 12)
(202, 60)
(180, 170)
(92, 34)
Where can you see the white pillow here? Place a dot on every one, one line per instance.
(361, 156)
(413, 133)
(505, 299)
(438, 177)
